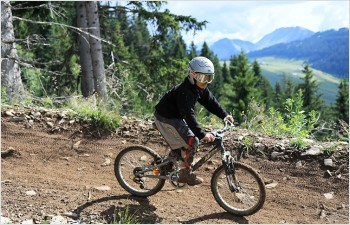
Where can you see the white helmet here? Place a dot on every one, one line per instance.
(200, 69)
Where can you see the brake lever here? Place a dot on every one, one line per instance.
(218, 134)
(232, 125)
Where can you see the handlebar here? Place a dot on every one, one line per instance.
(224, 128)
(218, 134)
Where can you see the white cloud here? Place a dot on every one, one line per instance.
(251, 20)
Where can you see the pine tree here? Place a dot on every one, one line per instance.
(283, 91)
(139, 37)
(232, 67)
(278, 97)
(178, 48)
(263, 86)
(218, 82)
(257, 69)
(178, 60)
(115, 28)
(342, 101)
(50, 50)
(193, 51)
(206, 52)
(241, 87)
(266, 92)
(225, 72)
(289, 89)
(312, 100)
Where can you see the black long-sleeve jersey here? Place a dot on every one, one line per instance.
(180, 101)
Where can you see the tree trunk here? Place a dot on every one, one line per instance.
(10, 71)
(96, 49)
(87, 81)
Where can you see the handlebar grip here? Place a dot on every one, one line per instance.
(226, 122)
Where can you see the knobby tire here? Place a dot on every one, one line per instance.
(129, 159)
(246, 202)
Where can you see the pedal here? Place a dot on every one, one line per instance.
(178, 185)
(173, 180)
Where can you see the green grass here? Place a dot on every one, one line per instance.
(101, 115)
(125, 217)
(274, 70)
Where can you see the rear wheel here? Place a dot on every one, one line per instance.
(250, 193)
(131, 161)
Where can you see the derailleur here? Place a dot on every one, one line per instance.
(138, 177)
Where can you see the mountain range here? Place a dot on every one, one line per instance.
(327, 51)
(284, 35)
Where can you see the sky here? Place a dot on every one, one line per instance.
(251, 20)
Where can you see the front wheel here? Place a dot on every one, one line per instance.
(130, 169)
(248, 193)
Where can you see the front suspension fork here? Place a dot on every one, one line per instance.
(232, 182)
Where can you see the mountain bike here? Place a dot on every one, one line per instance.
(237, 187)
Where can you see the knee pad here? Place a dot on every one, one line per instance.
(195, 142)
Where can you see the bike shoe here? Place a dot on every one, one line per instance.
(186, 176)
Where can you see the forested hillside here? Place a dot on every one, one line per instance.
(327, 51)
(226, 48)
(121, 59)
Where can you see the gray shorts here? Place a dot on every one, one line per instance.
(175, 131)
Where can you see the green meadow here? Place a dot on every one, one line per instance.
(278, 69)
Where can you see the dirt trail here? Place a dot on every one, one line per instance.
(67, 180)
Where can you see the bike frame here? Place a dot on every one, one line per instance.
(217, 146)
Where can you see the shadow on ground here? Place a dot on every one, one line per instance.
(223, 215)
(143, 211)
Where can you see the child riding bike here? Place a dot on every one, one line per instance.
(175, 115)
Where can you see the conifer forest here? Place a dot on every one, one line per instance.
(122, 58)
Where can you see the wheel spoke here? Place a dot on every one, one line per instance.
(128, 163)
(249, 195)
